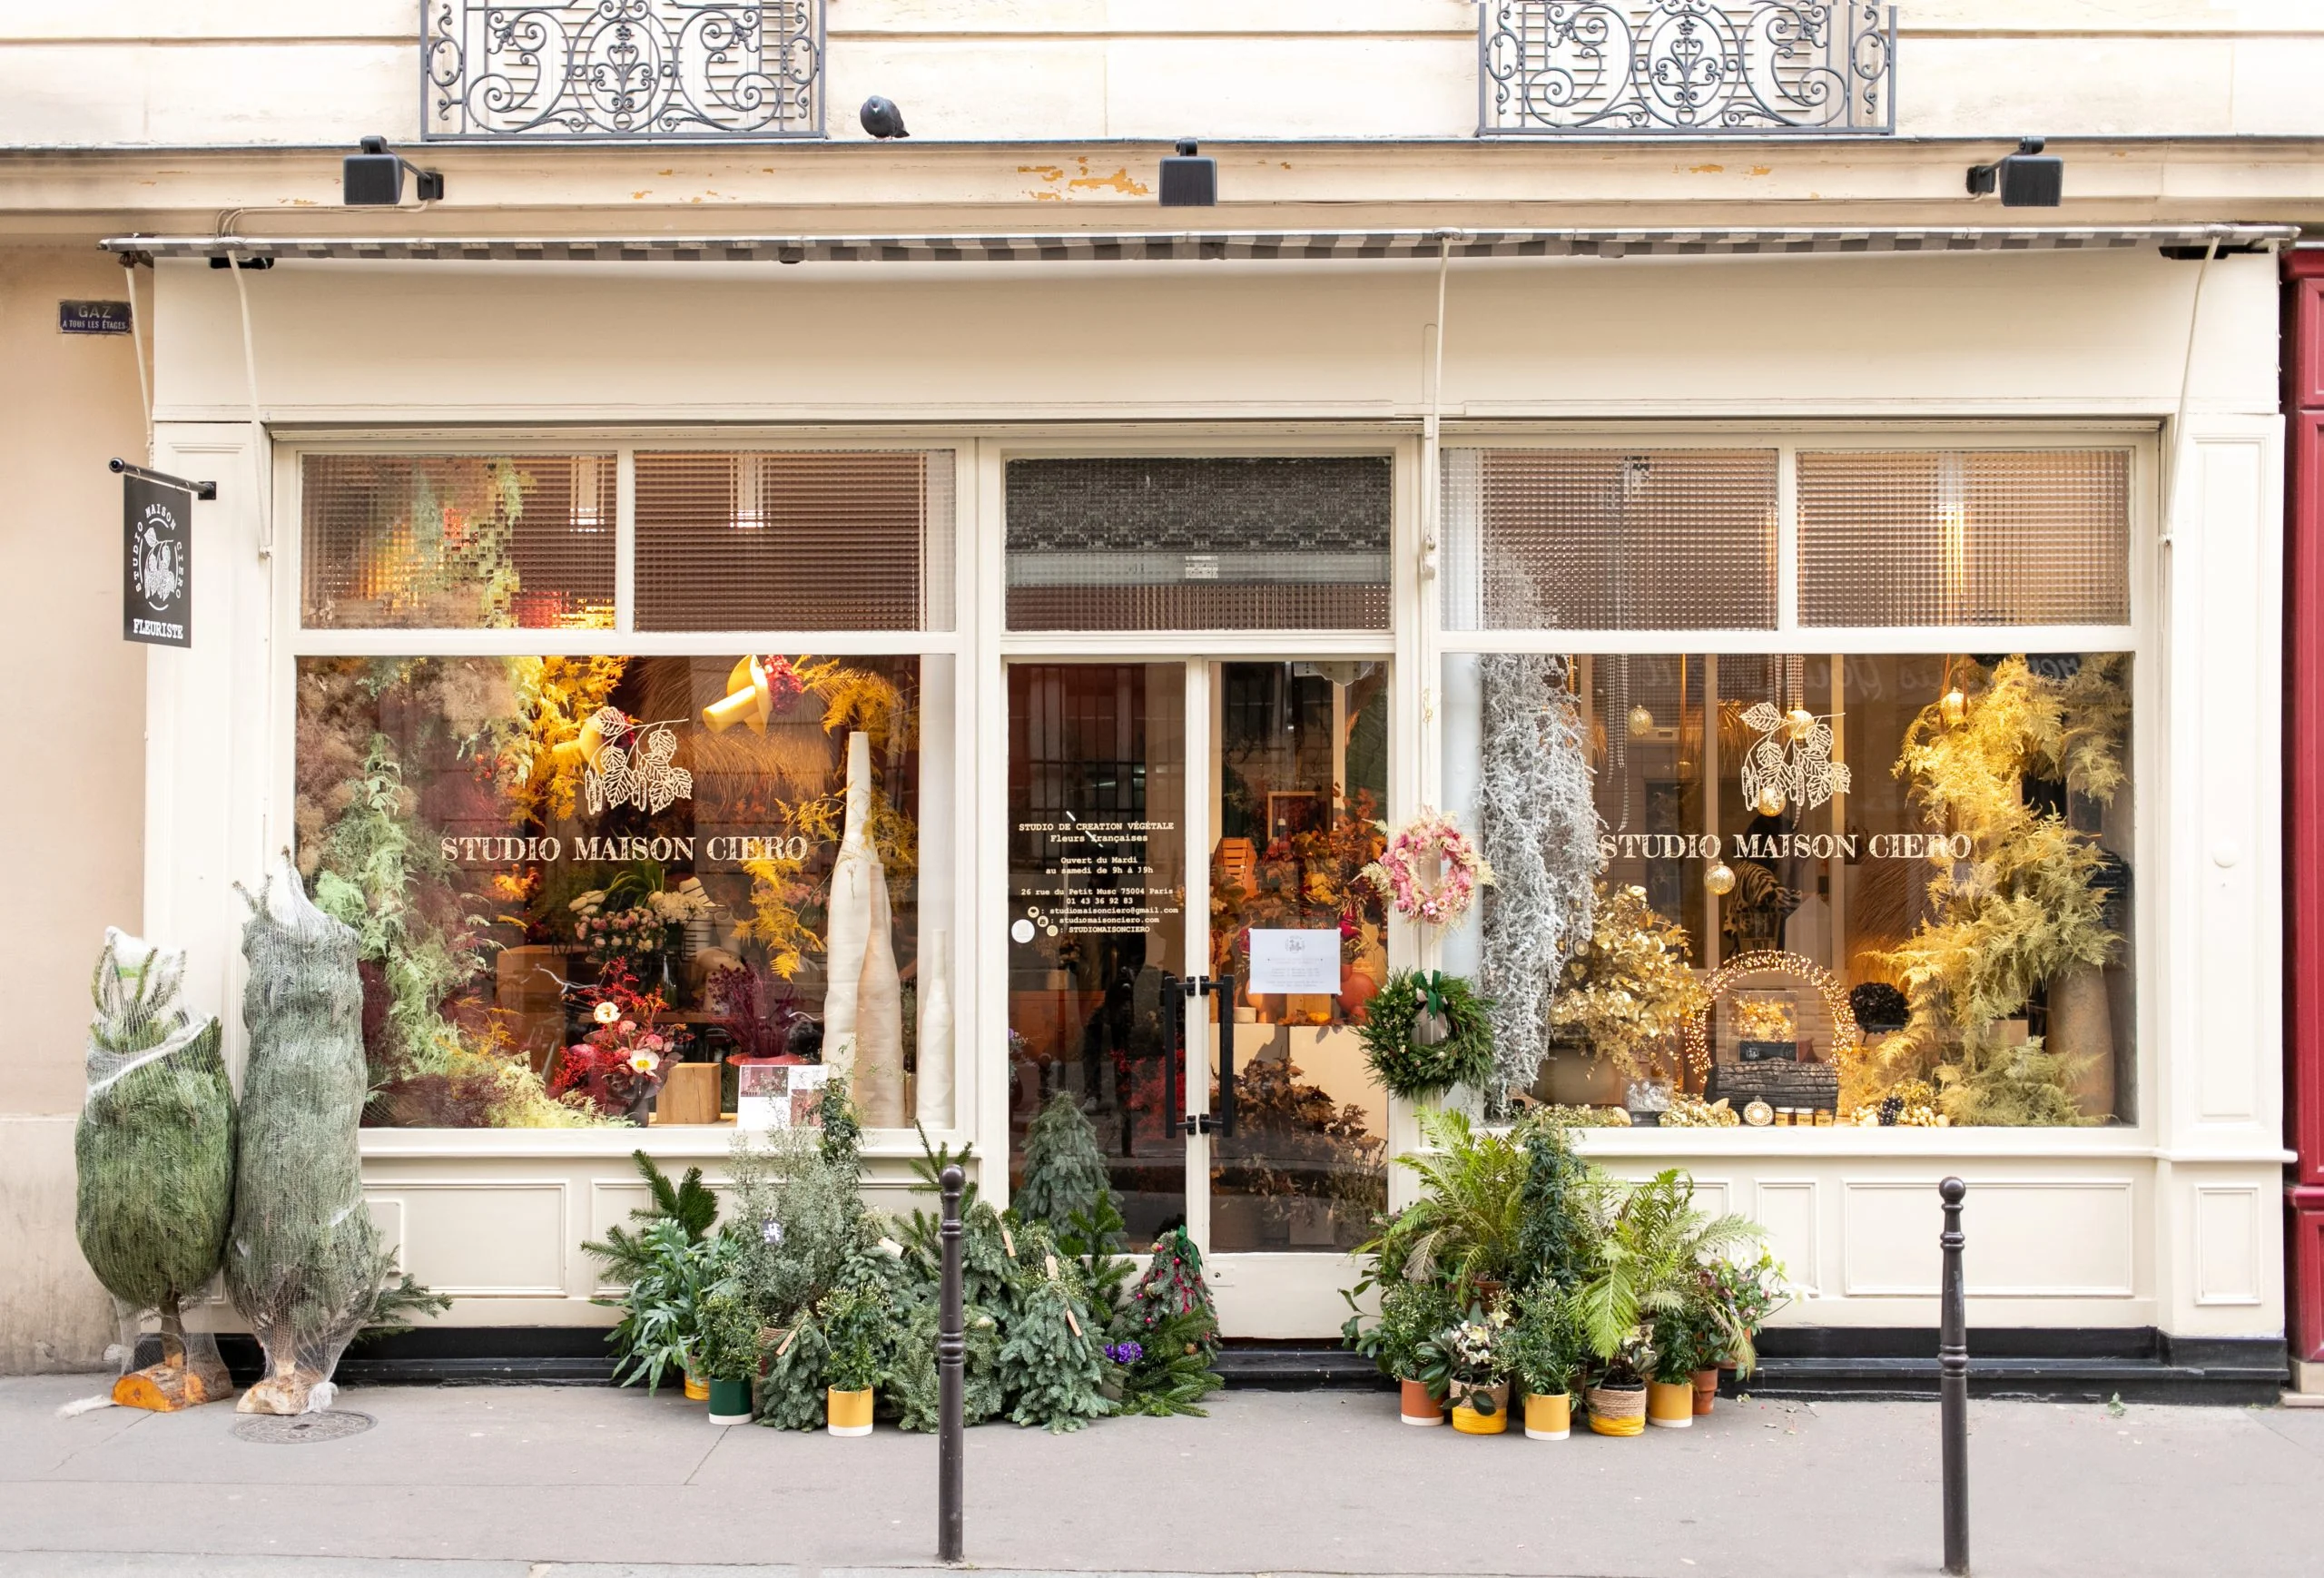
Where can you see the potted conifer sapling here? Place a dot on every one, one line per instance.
(727, 1346)
(852, 1322)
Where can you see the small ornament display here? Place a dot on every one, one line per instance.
(1846, 1038)
(1427, 1032)
(1401, 871)
(1687, 1112)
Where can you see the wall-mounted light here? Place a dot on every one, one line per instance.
(374, 178)
(1189, 181)
(2028, 178)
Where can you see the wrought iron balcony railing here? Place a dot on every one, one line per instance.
(1684, 67)
(618, 69)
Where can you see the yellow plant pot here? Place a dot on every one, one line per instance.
(1615, 1411)
(1549, 1418)
(1671, 1404)
(847, 1413)
(1477, 1422)
(697, 1389)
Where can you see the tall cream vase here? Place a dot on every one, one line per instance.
(848, 926)
(933, 1098)
(880, 1019)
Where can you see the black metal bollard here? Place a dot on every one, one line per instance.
(1953, 1381)
(952, 1357)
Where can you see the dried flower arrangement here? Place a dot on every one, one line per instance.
(1629, 992)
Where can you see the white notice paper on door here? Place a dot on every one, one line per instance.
(1302, 962)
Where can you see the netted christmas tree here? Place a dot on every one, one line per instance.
(1052, 1360)
(304, 1263)
(155, 1158)
(1168, 1333)
(1064, 1170)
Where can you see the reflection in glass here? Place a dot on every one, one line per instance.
(1297, 781)
(514, 838)
(1096, 902)
(1903, 878)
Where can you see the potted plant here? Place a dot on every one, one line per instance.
(853, 1323)
(1682, 1344)
(1476, 1369)
(1651, 1247)
(1402, 1344)
(1467, 1224)
(668, 1274)
(1546, 1349)
(1737, 1298)
(726, 1350)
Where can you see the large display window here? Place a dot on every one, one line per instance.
(598, 886)
(1743, 881)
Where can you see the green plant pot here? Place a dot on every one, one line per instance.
(730, 1401)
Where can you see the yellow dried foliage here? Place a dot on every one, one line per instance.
(554, 696)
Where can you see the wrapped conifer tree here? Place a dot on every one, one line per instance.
(1065, 1172)
(304, 1264)
(1052, 1360)
(155, 1158)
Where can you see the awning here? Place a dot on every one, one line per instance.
(1296, 245)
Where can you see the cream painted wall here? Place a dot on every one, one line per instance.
(72, 819)
(142, 72)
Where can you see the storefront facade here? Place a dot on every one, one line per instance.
(1130, 597)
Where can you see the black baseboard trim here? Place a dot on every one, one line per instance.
(2062, 1364)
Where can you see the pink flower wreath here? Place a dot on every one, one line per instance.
(1396, 875)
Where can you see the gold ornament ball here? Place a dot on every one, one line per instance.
(1800, 723)
(1771, 802)
(1641, 722)
(1954, 706)
(1721, 879)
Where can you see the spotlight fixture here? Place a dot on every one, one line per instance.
(1189, 181)
(2028, 178)
(374, 178)
(882, 118)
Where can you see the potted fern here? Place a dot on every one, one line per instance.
(1546, 1348)
(1469, 1224)
(853, 1323)
(1650, 1249)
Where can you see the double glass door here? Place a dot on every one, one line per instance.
(1191, 947)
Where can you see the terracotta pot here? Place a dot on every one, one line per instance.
(1705, 1390)
(1471, 1421)
(1671, 1404)
(1417, 1406)
(1618, 1410)
(1549, 1418)
(847, 1413)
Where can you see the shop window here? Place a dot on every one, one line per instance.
(457, 542)
(1220, 543)
(1606, 539)
(1965, 537)
(795, 541)
(1876, 889)
(723, 848)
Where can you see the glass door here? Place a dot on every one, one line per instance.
(1131, 964)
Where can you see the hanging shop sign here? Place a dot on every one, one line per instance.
(157, 555)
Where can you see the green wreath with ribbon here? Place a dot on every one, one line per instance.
(1427, 1032)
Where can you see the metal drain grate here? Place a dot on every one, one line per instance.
(277, 1430)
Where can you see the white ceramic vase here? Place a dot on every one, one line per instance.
(933, 1100)
(848, 925)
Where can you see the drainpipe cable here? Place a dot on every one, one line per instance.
(137, 345)
(2176, 454)
(1431, 505)
(259, 467)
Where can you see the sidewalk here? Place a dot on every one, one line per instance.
(512, 1482)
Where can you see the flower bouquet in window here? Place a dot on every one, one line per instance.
(620, 1064)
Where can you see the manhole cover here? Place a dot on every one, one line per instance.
(278, 1430)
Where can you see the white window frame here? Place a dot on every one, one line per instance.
(2138, 638)
(297, 641)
